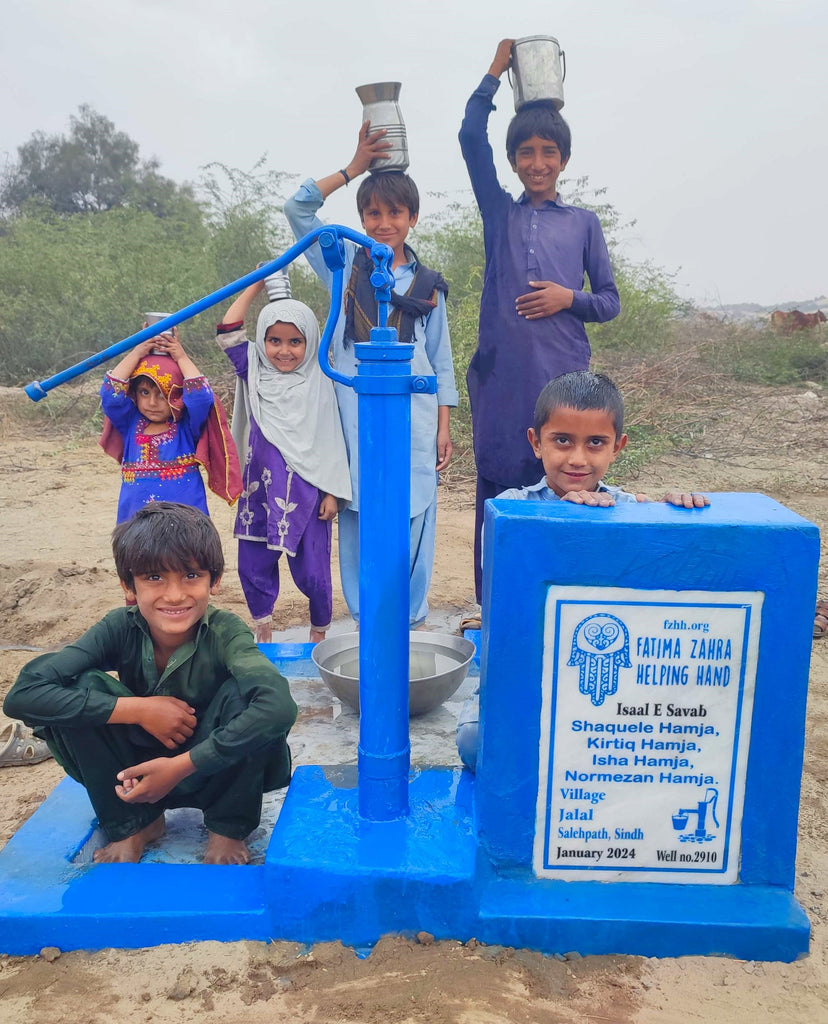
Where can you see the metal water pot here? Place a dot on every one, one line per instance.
(154, 318)
(380, 107)
(538, 70)
(277, 286)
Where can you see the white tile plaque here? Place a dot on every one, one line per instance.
(645, 726)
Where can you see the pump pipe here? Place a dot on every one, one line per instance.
(381, 254)
(384, 385)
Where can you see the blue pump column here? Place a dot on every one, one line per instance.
(384, 384)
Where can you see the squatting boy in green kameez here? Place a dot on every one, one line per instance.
(197, 717)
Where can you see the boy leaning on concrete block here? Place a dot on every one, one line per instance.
(577, 433)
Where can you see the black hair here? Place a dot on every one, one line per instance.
(581, 389)
(541, 118)
(166, 535)
(134, 381)
(391, 187)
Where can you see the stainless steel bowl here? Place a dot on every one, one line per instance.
(438, 664)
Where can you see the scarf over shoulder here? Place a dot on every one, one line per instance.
(215, 449)
(361, 303)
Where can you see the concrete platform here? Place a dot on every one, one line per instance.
(334, 875)
(749, 922)
(50, 894)
(320, 872)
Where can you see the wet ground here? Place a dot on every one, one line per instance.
(326, 733)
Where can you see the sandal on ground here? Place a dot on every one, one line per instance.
(821, 620)
(19, 746)
(469, 622)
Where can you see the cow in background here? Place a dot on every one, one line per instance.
(786, 322)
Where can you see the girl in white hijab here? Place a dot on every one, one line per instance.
(287, 429)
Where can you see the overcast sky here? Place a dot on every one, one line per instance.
(707, 122)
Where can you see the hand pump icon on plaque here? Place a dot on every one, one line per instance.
(699, 834)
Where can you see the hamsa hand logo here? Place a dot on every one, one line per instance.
(600, 647)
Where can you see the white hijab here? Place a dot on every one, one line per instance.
(296, 411)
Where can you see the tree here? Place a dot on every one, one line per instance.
(92, 169)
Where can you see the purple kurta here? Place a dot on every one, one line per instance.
(276, 505)
(516, 357)
(279, 509)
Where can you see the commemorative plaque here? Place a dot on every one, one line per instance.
(647, 697)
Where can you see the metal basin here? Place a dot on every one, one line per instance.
(438, 664)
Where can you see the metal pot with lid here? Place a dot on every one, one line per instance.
(538, 70)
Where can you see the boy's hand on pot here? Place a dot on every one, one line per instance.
(502, 58)
(168, 719)
(150, 781)
(371, 145)
(598, 499)
(547, 299)
(328, 508)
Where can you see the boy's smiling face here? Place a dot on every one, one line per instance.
(576, 447)
(388, 223)
(538, 163)
(172, 603)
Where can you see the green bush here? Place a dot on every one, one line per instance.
(71, 286)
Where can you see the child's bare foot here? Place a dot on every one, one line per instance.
(263, 631)
(221, 850)
(129, 850)
(317, 635)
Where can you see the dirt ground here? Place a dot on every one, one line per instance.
(58, 495)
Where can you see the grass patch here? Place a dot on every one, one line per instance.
(760, 355)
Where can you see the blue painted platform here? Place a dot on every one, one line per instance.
(329, 874)
(334, 875)
(746, 922)
(51, 894)
(360, 880)
(47, 898)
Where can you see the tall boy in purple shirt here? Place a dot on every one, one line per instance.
(534, 306)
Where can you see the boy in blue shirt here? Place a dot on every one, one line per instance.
(197, 717)
(577, 433)
(388, 204)
(534, 305)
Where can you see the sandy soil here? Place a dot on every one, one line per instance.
(58, 494)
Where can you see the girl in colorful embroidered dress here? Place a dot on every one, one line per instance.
(285, 421)
(162, 421)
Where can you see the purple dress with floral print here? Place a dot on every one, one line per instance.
(279, 510)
